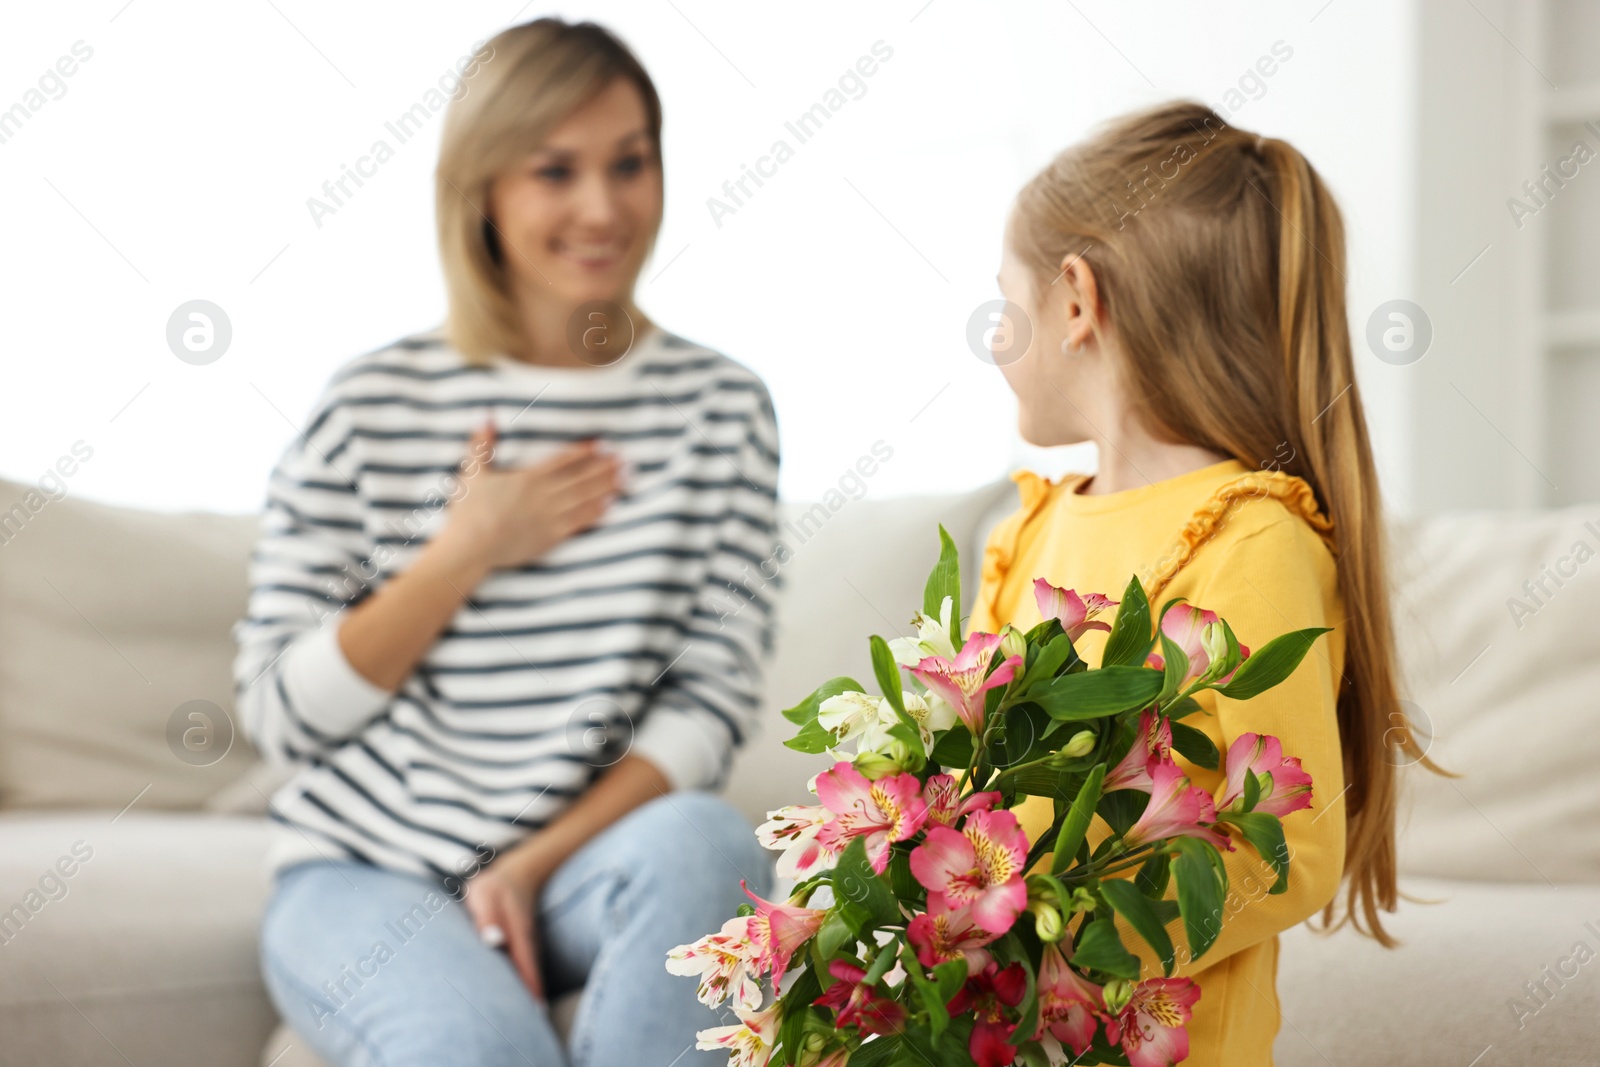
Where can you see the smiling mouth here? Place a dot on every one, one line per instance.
(592, 255)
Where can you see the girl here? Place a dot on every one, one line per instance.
(1185, 282)
(499, 668)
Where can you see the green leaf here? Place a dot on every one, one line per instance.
(1076, 824)
(1131, 635)
(1047, 662)
(811, 739)
(855, 881)
(833, 935)
(927, 991)
(1096, 694)
(1272, 663)
(953, 747)
(1264, 831)
(1252, 790)
(1135, 907)
(1099, 947)
(1183, 708)
(1195, 746)
(880, 967)
(950, 976)
(945, 581)
(1200, 892)
(1152, 877)
(1174, 670)
(806, 710)
(1121, 808)
(887, 672)
(796, 1009)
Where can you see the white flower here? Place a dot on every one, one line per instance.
(847, 714)
(749, 1044)
(724, 963)
(931, 713)
(794, 829)
(933, 638)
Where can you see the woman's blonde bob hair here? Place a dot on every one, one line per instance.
(527, 80)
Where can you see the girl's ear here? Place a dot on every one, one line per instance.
(1079, 299)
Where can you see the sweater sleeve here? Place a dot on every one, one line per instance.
(1267, 583)
(296, 693)
(705, 701)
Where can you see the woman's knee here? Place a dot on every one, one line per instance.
(701, 837)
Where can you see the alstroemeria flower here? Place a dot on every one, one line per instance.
(847, 714)
(944, 933)
(1069, 1004)
(1075, 613)
(1153, 745)
(1199, 633)
(884, 811)
(962, 682)
(931, 716)
(946, 806)
(979, 866)
(1289, 788)
(1151, 1028)
(987, 994)
(724, 962)
(933, 638)
(1176, 809)
(860, 1005)
(794, 829)
(777, 930)
(750, 1042)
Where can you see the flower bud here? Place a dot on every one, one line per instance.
(1215, 643)
(876, 765)
(1013, 643)
(1082, 744)
(1047, 921)
(1117, 993)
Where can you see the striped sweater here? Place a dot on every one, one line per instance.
(644, 633)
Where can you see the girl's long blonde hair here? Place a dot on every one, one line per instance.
(1220, 259)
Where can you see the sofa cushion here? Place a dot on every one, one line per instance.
(1508, 683)
(1508, 965)
(125, 939)
(115, 653)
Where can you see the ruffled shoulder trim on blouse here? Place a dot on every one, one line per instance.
(1292, 492)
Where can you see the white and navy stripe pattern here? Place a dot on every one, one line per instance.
(648, 629)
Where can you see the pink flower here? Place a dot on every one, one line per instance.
(1069, 1004)
(1259, 754)
(777, 930)
(1186, 626)
(883, 811)
(724, 962)
(1151, 1028)
(1075, 613)
(750, 1042)
(946, 806)
(794, 829)
(1176, 809)
(962, 682)
(987, 995)
(979, 866)
(1152, 746)
(860, 1005)
(945, 933)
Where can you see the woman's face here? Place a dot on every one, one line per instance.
(576, 215)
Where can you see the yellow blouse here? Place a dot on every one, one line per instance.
(1252, 547)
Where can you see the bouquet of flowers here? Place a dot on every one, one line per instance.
(944, 935)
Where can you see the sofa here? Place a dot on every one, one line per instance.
(131, 810)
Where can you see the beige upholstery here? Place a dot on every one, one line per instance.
(146, 952)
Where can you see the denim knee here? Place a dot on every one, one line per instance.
(703, 837)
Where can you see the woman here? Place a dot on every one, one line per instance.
(507, 673)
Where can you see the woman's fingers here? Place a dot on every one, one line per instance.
(519, 943)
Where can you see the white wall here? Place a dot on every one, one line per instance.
(178, 163)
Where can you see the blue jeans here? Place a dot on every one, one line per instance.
(375, 968)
